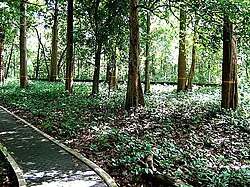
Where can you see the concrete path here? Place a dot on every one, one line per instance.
(43, 160)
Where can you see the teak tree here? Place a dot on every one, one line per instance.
(98, 50)
(229, 67)
(134, 95)
(23, 47)
(182, 51)
(1, 55)
(147, 76)
(111, 70)
(69, 55)
(192, 68)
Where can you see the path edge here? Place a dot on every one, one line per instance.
(99, 171)
(18, 171)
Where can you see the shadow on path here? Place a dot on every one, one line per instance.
(43, 162)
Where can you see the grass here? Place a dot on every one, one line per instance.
(188, 135)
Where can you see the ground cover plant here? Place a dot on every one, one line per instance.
(183, 138)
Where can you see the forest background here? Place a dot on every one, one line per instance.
(157, 41)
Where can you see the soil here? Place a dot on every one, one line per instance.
(7, 175)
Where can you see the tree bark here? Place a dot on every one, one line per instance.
(182, 51)
(191, 73)
(134, 95)
(147, 76)
(69, 55)
(98, 50)
(108, 72)
(113, 84)
(95, 87)
(54, 75)
(113, 79)
(192, 68)
(23, 47)
(14, 65)
(229, 67)
(1, 55)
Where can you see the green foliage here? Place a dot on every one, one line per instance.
(109, 24)
(190, 137)
(2, 148)
(168, 120)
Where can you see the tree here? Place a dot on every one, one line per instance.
(43, 51)
(147, 76)
(103, 21)
(107, 18)
(23, 48)
(111, 70)
(9, 60)
(37, 61)
(98, 47)
(182, 51)
(229, 67)
(1, 55)
(134, 95)
(69, 55)
(54, 75)
(192, 68)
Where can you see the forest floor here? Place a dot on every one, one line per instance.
(183, 137)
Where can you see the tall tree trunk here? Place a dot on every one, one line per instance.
(95, 87)
(134, 95)
(113, 80)
(1, 55)
(113, 84)
(108, 72)
(191, 73)
(229, 67)
(44, 52)
(182, 51)
(98, 50)
(60, 62)
(23, 47)
(209, 72)
(69, 55)
(78, 69)
(147, 76)
(153, 69)
(9, 61)
(38, 61)
(54, 75)
(14, 65)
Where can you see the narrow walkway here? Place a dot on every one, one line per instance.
(44, 162)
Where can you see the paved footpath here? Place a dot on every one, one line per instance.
(44, 161)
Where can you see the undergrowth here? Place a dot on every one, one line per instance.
(189, 136)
